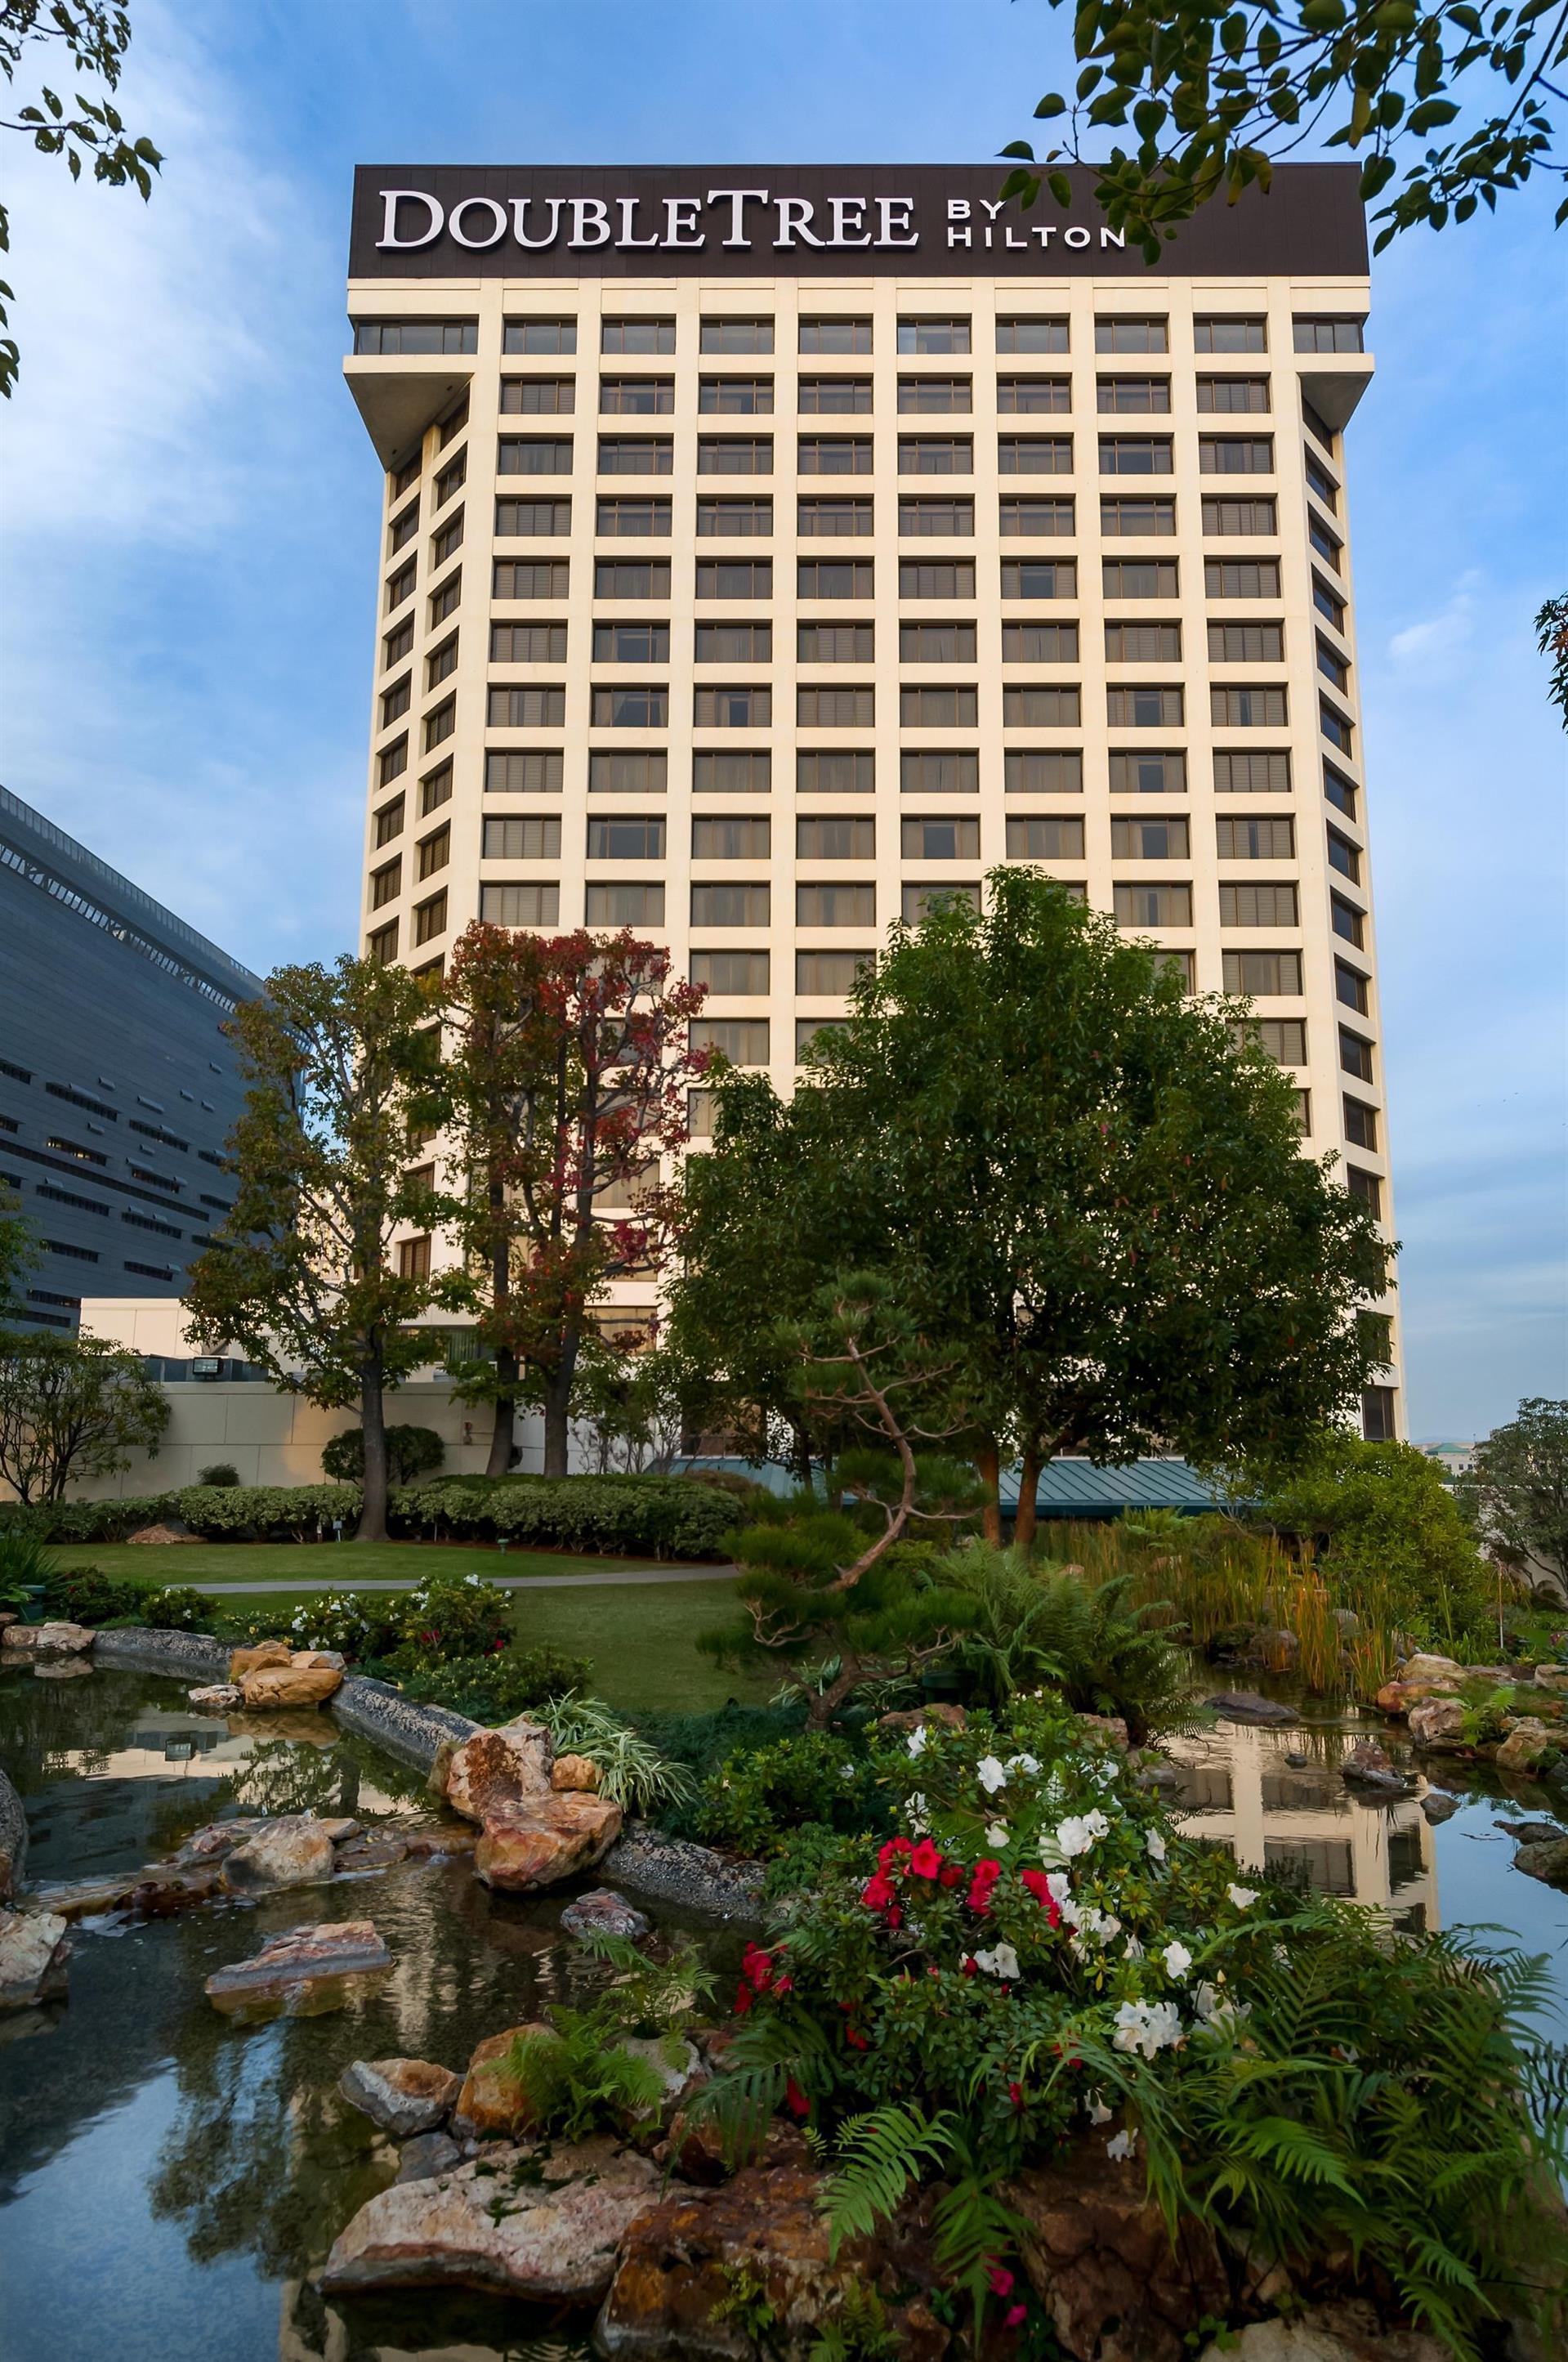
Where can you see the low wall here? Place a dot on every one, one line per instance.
(12, 1838)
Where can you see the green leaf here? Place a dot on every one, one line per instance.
(1052, 104)
(1018, 147)
(1430, 113)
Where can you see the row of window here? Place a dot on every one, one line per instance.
(855, 454)
(645, 836)
(642, 516)
(925, 396)
(1261, 642)
(748, 705)
(852, 333)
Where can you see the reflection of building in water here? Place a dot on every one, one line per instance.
(1239, 1789)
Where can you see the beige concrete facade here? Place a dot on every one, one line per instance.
(445, 426)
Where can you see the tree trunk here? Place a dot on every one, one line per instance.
(987, 1467)
(372, 1526)
(502, 1435)
(1027, 1520)
(822, 1705)
(557, 1411)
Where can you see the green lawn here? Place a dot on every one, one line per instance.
(343, 1565)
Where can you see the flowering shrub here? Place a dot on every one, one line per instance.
(493, 1686)
(357, 1623)
(1036, 1959)
(452, 1615)
(751, 1803)
(178, 1608)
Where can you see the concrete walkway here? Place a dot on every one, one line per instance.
(613, 1580)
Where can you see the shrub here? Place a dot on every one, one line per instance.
(749, 1804)
(631, 1772)
(451, 1616)
(1029, 1626)
(298, 1512)
(223, 1474)
(576, 2074)
(411, 1452)
(25, 1567)
(702, 1741)
(81, 1594)
(495, 1687)
(357, 1624)
(654, 1517)
(178, 1608)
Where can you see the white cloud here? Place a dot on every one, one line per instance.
(1428, 646)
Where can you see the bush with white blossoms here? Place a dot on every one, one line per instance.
(1036, 1959)
(343, 1620)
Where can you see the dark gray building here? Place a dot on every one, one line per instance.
(118, 1086)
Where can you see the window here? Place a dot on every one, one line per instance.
(1268, 975)
(538, 772)
(1229, 334)
(735, 520)
(1152, 906)
(632, 516)
(829, 837)
(836, 643)
(834, 455)
(525, 643)
(1252, 708)
(405, 477)
(397, 644)
(535, 838)
(1150, 840)
(389, 821)
(930, 839)
(447, 542)
(1328, 603)
(637, 336)
(742, 1040)
(1143, 706)
(1330, 335)
(1332, 666)
(527, 708)
(435, 851)
(1283, 1038)
(1040, 642)
(1323, 484)
(936, 455)
(386, 884)
(1327, 545)
(830, 975)
(1344, 857)
(400, 586)
(1233, 517)
(747, 705)
(535, 455)
(931, 771)
(1348, 923)
(1113, 335)
(933, 335)
(736, 397)
(1032, 333)
(381, 948)
(924, 578)
(824, 771)
(1034, 455)
(734, 454)
(1122, 517)
(626, 643)
(938, 518)
(835, 906)
(1134, 455)
(1133, 396)
(835, 397)
(537, 397)
(1240, 578)
(624, 905)
(1232, 394)
(918, 902)
(642, 705)
(1377, 1419)
(744, 837)
(835, 335)
(824, 708)
(1318, 427)
(628, 774)
(1361, 1123)
(1148, 775)
(452, 425)
(636, 455)
(1246, 643)
(1045, 836)
(532, 520)
(521, 904)
(808, 1030)
(1142, 642)
(700, 1106)
(1235, 454)
(734, 643)
(1026, 705)
(1366, 1186)
(1033, 396)
(435, 788)
(392, 762)
(1255, 838)
(739, 976)
(730, 906)
(430, 917)
(733, 578)
(1042, 772)
(530, 577)
(1036, 519)
(402, 530)
(540, 336)
(841, 578)
(396, 699)
(1258, 905)
(1139, 578)
(935, 396)
(1355, 1056)
(414, 1258)
(939, 708)
(625, 837)
(415, 335)
(735, 335)
(833, 519)
(1238, 774)
(724, 774)
(941, 643)
(636, 397)
(1338, 791)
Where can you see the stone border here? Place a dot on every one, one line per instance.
(679, 1872)
(137, 1650)
(12, 1838)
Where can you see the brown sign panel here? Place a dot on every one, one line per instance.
(820, 221)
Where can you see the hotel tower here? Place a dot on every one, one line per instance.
(765, 549)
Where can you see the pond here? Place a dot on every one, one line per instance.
(169, 2181)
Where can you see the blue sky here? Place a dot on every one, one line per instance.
(190, 517)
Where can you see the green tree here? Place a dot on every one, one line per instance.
(1517, 1488)
(568, 1067)
(1551, 639)
(341, 1068)
(1214, 93)
(91, 40)
(19, 1253)
(1082, 1182)
(1388, 1531)
(71, 1408)
(628, 1410)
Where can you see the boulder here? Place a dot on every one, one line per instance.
(1438, 1807)
(1532, 1832)
(497, 1768)
(339, 1827)
(603, 1912)
(1553, 1677)
(211, 1842)
(675, 2061)
(84, 1898)
(524, 1846)
(533, 2222)
(433, 1844)
(402, 2095)
(1366, 1755)
(440, 1765)
(1549, 1861)
(56, 1640)
(682, 1871)
(1437, 1673)
(34, 1947)
(490, 2106)
(302, 1971)
(60, 1668)
(574, 1772)
(12, 1838)
(1099, 2257)
(217, 1697)
(427, 2155)
(1247, 1705)
(1341, 2333)
(1439, 1724)
(1111, 1727)
(363, 1855)
(911, 1717)
(296, 1851)
(288, 1685)
(333, 1659)
(162, 1890)
(1528, 1744)
(261, 1653)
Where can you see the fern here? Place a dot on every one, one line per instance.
(880, 2154)
(576, 2081)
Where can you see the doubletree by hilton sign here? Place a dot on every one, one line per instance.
(827, 221)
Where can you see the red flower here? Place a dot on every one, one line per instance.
(1015, 2093)
(951, 1875)
(987, 1873)
(744, 1998)
(891, 1850)
(895, 1916)
(856, 2041)
(1000, 2281)
(969, 1965)
(925, 1862)
(756, 1968)
(878, 1893)
(783, 1984)
(1017, 2315)
(1040, 1887)
(795, 2099)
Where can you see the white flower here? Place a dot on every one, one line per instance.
(1002, 1961)
(917, 1739)
(1095, 2109)
(471, 1578)
(1132, 1949)
(996, 1835)
(1243, 1897)
(1224, 2016)
(1079, 1832)
(847, 1771)
(1177, 1960)
(1119, 2149)
(1060, 1894)
(1148, 2027)
(1029, 1763)
(1155, 1844)
(916, 1809)
(990, 1774)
